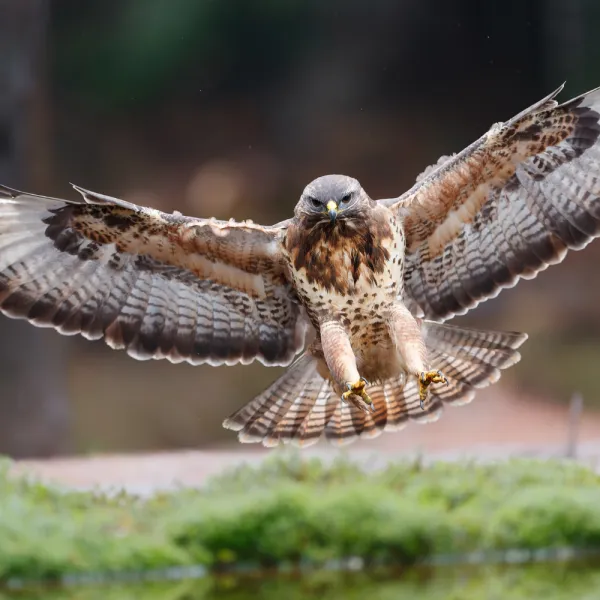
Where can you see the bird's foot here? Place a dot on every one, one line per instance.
(426, 378)
(357, 395)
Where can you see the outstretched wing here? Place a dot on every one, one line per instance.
(506, 207)
(158, 285)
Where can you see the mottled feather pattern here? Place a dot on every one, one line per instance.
(348, 272)
(505, 208)
(336, 257)
(158, 285)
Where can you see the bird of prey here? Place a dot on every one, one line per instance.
(352, 293)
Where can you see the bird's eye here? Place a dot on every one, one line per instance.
(345, 198)
(316, 203)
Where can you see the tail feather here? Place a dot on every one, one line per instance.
(292, 392)
(469, 358)
(301, 406)
(460, 369)
(392, 414)
(370, 425)
(305, 426)
(256, 407)
(493, 348)
(341, 428)
(395, 403)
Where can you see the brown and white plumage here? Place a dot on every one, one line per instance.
(302, 406)
(158, 285)
(373, 280)
(506, 207)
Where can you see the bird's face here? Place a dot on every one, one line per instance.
(332, 200)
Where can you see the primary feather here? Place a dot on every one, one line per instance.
(505, 208)
(157, 285)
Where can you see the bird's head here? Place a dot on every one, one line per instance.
(332, 199)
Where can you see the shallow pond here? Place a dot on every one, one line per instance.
(546, 582)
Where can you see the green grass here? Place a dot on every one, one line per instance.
(532, 582)
(290, 511)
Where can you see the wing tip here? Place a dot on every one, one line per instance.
(559, 89)
(520, 339)
(91, 197)
(8, 192)
(594, 92)
(232, 424)
(546, 102)
(96, 198)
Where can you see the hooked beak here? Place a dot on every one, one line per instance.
(332, 210)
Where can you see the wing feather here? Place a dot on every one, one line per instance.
(506, 207)
(157, 285)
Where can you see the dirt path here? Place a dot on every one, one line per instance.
(497, 426)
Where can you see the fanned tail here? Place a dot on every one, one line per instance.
(295, 408)
(469, 358)
(301, 406)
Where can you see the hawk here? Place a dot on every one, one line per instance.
(353, 293)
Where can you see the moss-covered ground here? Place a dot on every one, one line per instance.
(291, 511)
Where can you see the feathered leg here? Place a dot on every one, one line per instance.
(405, 330)
(341, 362)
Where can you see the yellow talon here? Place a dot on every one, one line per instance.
(426, 378)
(357, 395)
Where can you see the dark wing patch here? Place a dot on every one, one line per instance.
(507, 207)
(157, 285)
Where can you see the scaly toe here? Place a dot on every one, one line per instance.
(357, 395)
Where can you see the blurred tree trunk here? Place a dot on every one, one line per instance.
(33, 408)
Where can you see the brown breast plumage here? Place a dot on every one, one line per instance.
(348, 269)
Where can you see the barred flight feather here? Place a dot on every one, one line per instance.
(505, 208)
(301, 407)
(157, 285)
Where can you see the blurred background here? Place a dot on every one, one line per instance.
(227, 109)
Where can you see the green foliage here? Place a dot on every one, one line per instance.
(290, 511)
(515, 583)
(547, 516)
